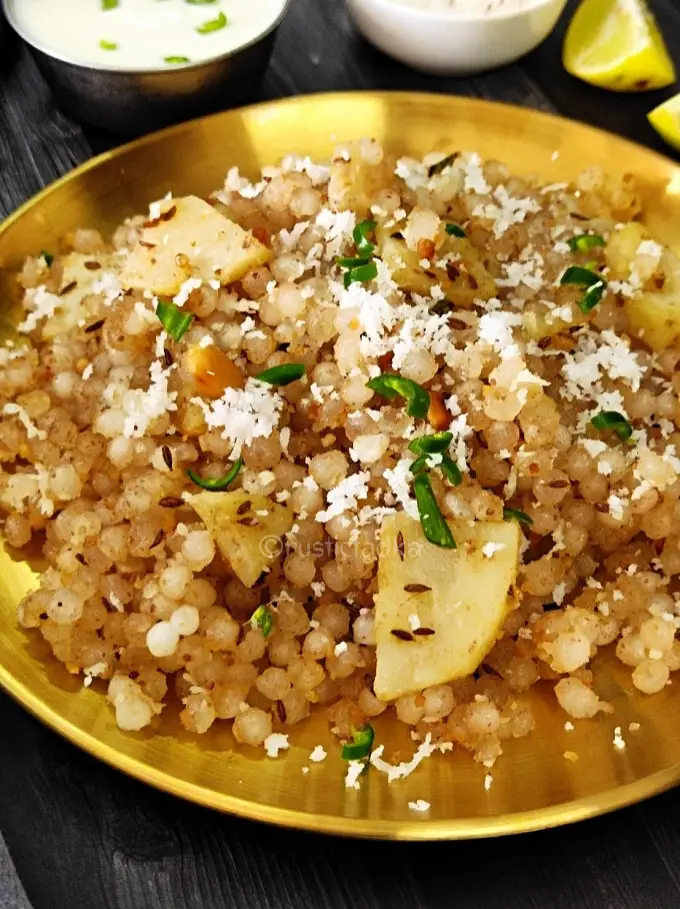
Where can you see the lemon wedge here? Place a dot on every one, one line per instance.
(616, 44)
(666, 121)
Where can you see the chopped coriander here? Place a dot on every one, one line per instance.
(594, 283)
(48, 257)
(218, 484)
(440, 166)
(109, 4)
(361, 274)
(434, 525)
(361, 744)
(611, 419)
(212, 25)
(174, 321)
(514, 514)
(282, 375)
(451, 471)
(108, 45)
(436, 443)
(585, 242)
(263, 619)
(360, 236)
(392, 386)
(176, 59)
(453, 230)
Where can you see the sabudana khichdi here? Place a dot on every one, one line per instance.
(378, 435)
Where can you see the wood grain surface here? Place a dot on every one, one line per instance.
(84, 837)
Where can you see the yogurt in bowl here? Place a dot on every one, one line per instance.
(143, 35)
(456, 37)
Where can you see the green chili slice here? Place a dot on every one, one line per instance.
(453, 230)
(219, 483)
(434, 525)
(351, 262)
(584, 277)
(585, 242)
(451, 470)
(174, 321)
(592, 296)
(361, 744)
(213, 25)
(392, 386)
(361, 274)
(282, 375)
(436, 443)
(419, 465)
(360, 236)
(108, 45)
(514, 514)
(611, 419)
(263, 619)
(577, 274)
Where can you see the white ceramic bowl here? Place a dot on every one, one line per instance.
(447, 43)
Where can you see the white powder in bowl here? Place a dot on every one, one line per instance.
(471, 7)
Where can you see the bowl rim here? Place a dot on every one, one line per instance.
(7, 7)
(450, 15)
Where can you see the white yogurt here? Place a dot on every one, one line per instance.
(143, 34)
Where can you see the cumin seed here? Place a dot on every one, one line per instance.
(171, 502)
(416, 588)
(68, 288)
(402, 635)
(158, 539)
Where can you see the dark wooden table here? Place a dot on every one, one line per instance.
(84, 837)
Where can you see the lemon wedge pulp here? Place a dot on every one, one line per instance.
(666, 121)
(616, 44)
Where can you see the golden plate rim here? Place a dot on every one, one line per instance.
(556, 815)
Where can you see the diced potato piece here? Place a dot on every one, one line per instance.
(354, 184)
(195, 241)
(465, 604)
(655, 319)
(248, 539)
(620, 251)
(539, 325)
(74, 305)
(654, 314)
(463, 282)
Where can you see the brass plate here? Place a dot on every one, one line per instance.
(533, 785)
